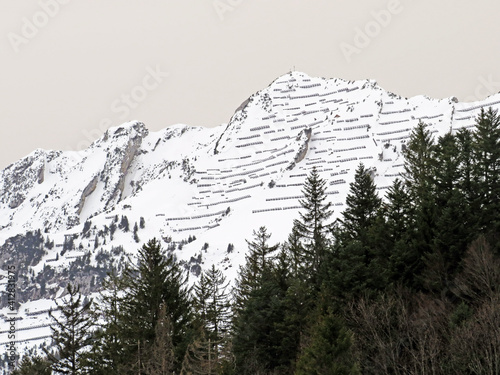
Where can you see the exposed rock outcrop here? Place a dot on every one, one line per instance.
(303, 137)
(125, 158)
(89, 189)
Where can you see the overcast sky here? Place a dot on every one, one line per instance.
(72, 68)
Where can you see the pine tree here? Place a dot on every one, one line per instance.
(155, 281)
(70, 333)
(328, 349)
(295, 253)
(136, 236)
(112, 230)
(312, 225)
(450, 232)
(201, 359)
(362, 204)
(486, 151)
(418, 177)
(398, 210)
(212, 303)
(108, 352)
(296, 304)
(465, 144)
(258, 260)
(256, 341)
(400, 227)
(124, 225)
(257, 309)
(358, 261)
(33, 366)
(419, 163)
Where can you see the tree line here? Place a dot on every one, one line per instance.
(409, 284)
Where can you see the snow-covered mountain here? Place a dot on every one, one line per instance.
(71, 216)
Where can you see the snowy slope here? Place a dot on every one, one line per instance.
(217, 184)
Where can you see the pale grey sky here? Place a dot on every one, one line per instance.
(72, 68)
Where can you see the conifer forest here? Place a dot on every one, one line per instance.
(405, 283)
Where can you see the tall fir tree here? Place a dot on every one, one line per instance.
(362, 206)
(212, 304)
(328, 349)
(419, 163)
(418, 177)
(465, 152)
(486, 151)
(450, 232)
(108, 355)
(256, 341)
(258, 260)
(399, 214)
(356, 262)
(71, 333)
(295, 253)
(312, 224)
(257, 309)
(154, 282)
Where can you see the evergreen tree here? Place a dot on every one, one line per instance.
(450, 233)
(124, 225)
(295, 253)
(419, 181)
(112, 230)
(136, 236)
(258, 260)
(328, 350)
(358, 262)
(257, 309)
(70, 333)
(312, 225)
(256, 342)
(465, 152)
(155, 281)
(108, 354)
(297, 303)
(486, 151)
(212, 304)
(33, 366)
(419, 163)
(362, 204)
(399, 213)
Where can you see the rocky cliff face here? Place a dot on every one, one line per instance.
(19, 178)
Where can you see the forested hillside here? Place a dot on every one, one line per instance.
(407, 283)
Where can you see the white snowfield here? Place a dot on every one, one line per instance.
(218, 184)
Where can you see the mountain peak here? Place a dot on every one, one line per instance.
(129, 130)
(214, 184)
